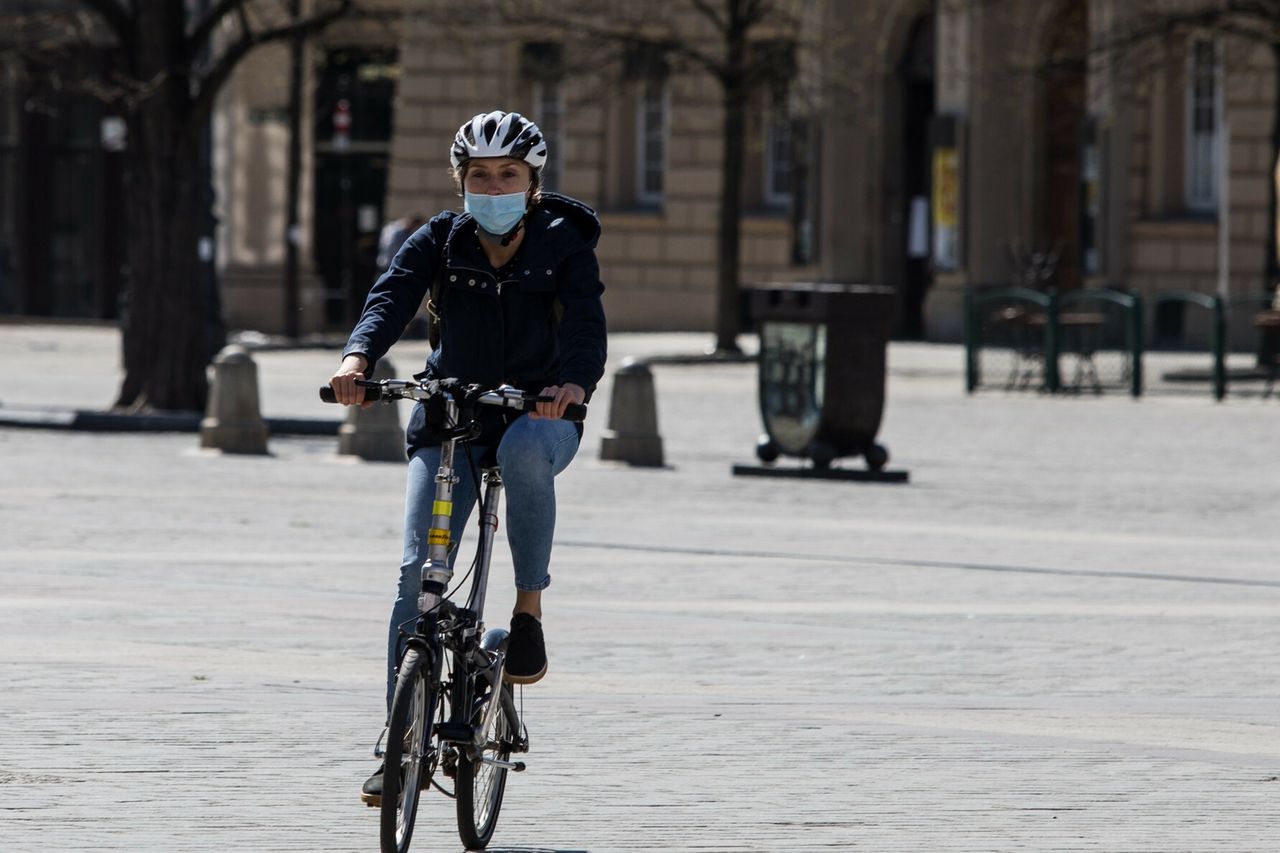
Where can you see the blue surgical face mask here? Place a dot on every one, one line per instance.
(496, 214)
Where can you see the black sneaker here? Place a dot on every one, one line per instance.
(526, 652)
(371, 793)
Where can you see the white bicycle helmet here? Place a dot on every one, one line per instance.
(499, 134)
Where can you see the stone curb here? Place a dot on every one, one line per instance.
(84, 420)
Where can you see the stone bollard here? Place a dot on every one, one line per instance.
(373, 434)
(632, 436)
(233, 423)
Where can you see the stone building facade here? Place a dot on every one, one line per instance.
(933, 146)
(342, 184)
(1061, 144)
(642, 145)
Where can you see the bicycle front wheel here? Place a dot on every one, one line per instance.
(480, 785)
(406, 757)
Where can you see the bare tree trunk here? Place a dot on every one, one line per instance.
(734, 85)
(1272, 269)
(166, 345)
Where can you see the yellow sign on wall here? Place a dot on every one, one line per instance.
(946, 208)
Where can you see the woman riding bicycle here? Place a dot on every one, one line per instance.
(519, 303)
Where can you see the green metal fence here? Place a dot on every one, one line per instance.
(1092, 339)
(1171, 330)
(1018, 338)
(1100, 336)
(1001, 341)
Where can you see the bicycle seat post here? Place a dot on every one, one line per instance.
(436, 572)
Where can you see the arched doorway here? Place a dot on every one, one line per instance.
(351, 172)
(917, 72)
(908, 115)
(1065, 112)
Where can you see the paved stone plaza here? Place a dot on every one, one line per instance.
(1061, 635)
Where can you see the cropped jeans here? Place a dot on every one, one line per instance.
(531, 453)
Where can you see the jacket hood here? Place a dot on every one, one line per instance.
(568, 219)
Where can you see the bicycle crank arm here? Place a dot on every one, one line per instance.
(517, 766)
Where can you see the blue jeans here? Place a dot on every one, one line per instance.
(531, 453)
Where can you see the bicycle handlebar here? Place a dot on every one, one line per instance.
(372, 392)
(504, 397)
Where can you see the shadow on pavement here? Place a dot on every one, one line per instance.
(532, 850)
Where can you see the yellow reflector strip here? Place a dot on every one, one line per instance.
(442, 508)
(435, 536)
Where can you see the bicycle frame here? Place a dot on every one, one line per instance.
(436, 576)
(473, 735)
(436, 571)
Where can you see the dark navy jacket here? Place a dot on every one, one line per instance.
(497, 326)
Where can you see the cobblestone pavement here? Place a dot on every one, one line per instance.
(1060, 636)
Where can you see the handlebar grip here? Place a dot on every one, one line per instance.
(372, 393)
(576, 412)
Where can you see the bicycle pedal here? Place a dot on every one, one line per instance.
(455, 732)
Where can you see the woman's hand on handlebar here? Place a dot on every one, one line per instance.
(343, 382)
(564, 395)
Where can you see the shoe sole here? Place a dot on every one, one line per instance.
(373, 801)
(524, 679)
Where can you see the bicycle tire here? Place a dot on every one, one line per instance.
(480, 786)
(407, 730)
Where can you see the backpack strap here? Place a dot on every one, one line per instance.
(435, 307)
(435, 300)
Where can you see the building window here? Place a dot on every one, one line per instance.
(651, 141)
(1204, 106)
(360, 82)
(804, 192)
(779, 153)
(542, 63)
(548, 113)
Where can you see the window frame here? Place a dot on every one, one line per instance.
(554, 134)
(646, 85)
(770, 194)
(1196, 200)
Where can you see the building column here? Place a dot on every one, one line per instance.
(943, 309)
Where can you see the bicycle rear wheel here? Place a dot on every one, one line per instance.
(407, 756)
(480, 786)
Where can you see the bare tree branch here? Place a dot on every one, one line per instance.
(711, 14)
(582, 26)
(204, 28)
(246, 29)
(1229, 18)
(756, 11)
(115, 16)
(211, 81)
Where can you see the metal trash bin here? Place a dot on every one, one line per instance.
(822, 376)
